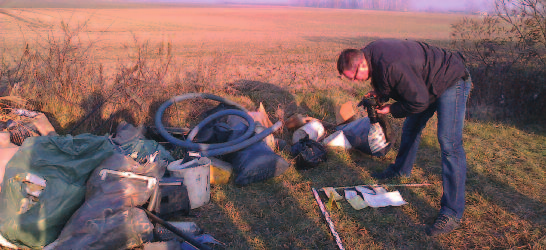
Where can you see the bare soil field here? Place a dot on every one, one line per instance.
(238, 31)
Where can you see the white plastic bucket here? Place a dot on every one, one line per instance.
(196, 175)
(314, 129)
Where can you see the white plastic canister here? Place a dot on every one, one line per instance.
(314, 129)
(337, 139)
(196, 175)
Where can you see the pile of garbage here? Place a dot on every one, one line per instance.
(371, 134)
(115, 191)
(89, 191)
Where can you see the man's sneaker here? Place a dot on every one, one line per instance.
(444, 224)
(387, 174)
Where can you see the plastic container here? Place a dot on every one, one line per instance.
(196, 175)
(314, 129)
(337, 139)
(220, 171)
(376, 138)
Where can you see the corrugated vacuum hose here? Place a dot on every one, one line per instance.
(247, 139)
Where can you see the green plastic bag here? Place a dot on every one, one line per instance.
(61, 165)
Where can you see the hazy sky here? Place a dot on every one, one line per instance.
(450, 4)
(455, 5)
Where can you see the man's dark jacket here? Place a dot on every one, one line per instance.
(413, 73)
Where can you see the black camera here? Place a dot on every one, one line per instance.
(370, 103)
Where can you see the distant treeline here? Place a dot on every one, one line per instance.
(400, 5)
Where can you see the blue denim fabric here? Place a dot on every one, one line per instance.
(451, 108)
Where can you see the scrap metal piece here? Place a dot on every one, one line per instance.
(151, 180)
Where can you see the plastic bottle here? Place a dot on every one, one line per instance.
(376, 136)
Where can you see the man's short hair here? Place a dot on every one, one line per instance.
(349, 59)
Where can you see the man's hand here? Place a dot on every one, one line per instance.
(385, 109)
(371, 94)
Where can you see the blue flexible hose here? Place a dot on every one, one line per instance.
(218, 148)
(202, 147)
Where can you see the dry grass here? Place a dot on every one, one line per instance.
(123, 63)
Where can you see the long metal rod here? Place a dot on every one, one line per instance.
(328, 220)
(390, 185)
(190, 240)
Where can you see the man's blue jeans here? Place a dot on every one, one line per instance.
(451, 108)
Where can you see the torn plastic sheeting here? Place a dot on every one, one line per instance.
(108, 219)
(115, 229)
(130, 140)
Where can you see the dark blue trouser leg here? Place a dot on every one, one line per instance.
(411, 137)
(451, 114)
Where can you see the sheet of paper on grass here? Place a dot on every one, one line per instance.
(365, 190)
(384, 199)
(355, 200)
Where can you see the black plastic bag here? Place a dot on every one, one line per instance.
(256, 163)
(308, 153)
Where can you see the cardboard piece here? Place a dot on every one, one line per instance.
(344, 113)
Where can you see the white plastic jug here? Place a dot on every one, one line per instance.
(376, 138)
(196, 175)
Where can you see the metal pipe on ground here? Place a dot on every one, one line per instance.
(328, 220)
(190, 240)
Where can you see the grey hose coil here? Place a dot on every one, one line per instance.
(218, 148)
